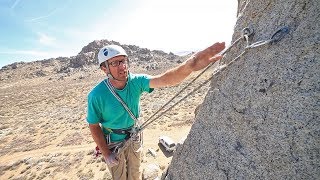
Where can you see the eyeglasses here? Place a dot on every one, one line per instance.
(117, 63)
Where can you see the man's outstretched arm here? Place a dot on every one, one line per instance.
(197, 62)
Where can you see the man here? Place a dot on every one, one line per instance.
(107, 116)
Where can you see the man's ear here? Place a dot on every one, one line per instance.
(104, 69)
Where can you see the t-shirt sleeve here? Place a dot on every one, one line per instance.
(93, 114)
(145, 83)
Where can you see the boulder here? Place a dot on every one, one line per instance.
(151, 172)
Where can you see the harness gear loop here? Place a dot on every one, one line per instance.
(126, 132)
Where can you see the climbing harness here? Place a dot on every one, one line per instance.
(247, 33)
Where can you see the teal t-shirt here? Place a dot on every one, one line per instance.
(105, 109)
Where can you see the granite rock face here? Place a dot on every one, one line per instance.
(260, 118)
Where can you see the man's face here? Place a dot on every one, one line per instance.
(118, 67)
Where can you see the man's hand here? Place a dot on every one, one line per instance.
(111, 160)
(203, 58)
(199, 61)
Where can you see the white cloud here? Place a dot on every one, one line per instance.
(30, 55)
(15, 4)
(46, 40)
(52, 12)
(38, 54)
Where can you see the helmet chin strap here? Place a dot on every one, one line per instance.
(109, 75)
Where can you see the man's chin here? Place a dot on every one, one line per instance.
(122, 78)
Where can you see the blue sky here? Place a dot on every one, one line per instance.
(40, 29)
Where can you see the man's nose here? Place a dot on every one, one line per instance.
(122, 64)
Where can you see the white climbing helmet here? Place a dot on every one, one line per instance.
(110, 51)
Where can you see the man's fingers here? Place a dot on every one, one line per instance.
(112, 160)
(217, 47)
(112, 163)
(216, 58)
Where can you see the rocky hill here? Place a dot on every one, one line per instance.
(86, 60)
(43, 131)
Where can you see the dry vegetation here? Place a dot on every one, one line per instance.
(44, 135)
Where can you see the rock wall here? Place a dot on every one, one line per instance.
(260, 118)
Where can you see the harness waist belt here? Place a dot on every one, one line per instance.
(126, 132)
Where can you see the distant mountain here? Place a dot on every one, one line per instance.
(142, 58)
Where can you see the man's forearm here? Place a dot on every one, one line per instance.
(197, 62)
(173, 76)
(99, 139)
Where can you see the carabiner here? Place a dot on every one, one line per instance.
(279, 34)
(246, 33)
(135, 130)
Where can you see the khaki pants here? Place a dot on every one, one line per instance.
(129, 163)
